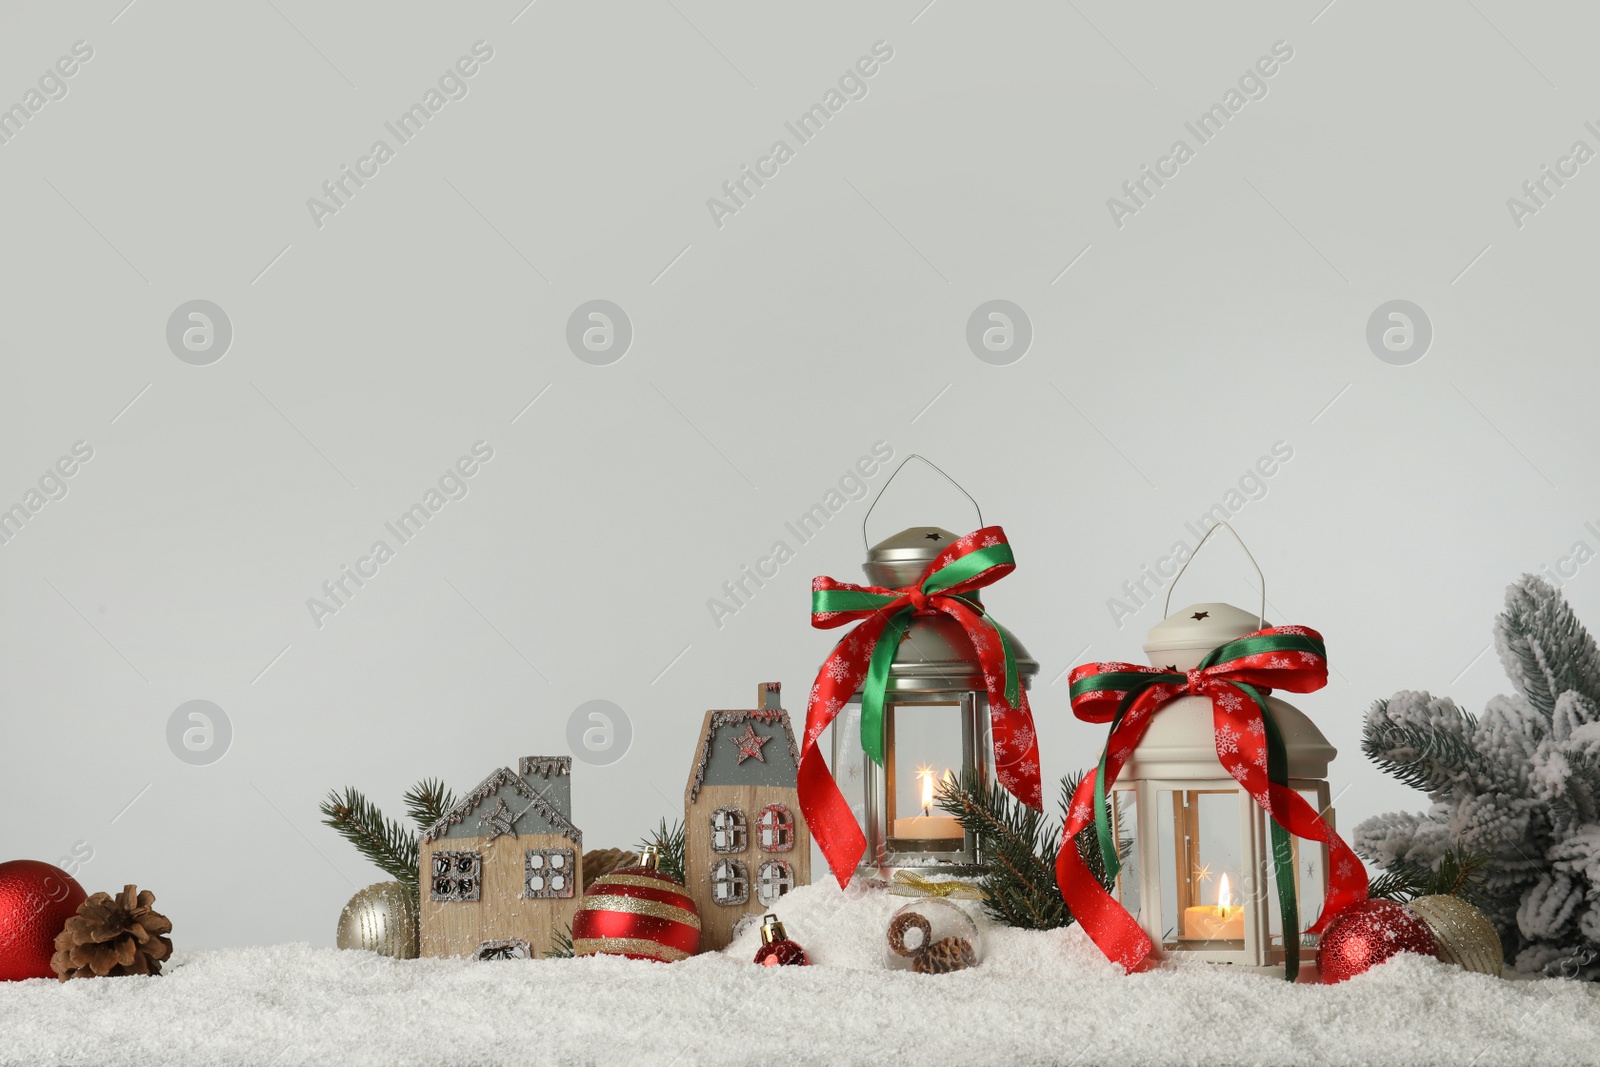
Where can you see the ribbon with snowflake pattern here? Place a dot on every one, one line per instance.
(1236, 677)
(861, 659)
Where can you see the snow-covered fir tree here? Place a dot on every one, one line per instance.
(1518, 785)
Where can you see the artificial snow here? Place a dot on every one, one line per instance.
(1037, 998)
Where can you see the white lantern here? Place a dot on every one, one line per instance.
(1199, 877)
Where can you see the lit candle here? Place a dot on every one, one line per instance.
(1222, 921)
(927, 827)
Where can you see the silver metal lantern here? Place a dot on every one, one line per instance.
(936, 725)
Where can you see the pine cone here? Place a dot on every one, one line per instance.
(945, 955)
(113, 936)
(602, 861)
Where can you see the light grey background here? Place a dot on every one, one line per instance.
(768, 354)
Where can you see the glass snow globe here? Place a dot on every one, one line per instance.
(932, 936)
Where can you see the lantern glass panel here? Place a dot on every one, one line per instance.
(850, 762)
(924, 743)
(1310, 869)
(1125, 823)
(1204, 863)
(935, 732)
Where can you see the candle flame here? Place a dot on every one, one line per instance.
(1224, 894)
(926, 774)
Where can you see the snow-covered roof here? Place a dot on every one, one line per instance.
(754, 747)
(536, 801)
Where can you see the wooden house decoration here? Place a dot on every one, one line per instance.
(745, 842)
(502, 871)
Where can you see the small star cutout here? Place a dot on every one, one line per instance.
(1201, 614)
(932, 537)
(499, 821)
(1172, 667)
(749, 744)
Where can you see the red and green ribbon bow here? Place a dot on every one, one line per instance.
(1237, 677)
(861, 659)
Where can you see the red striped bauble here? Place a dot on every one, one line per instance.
(637, 912)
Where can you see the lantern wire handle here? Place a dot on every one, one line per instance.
(1261, 616)
(896, 473)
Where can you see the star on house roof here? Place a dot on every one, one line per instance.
(715, 762)
(545, 809)
(502, 820)
(749, 743)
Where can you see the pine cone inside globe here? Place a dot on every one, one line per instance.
(944, 956)
(599, 862)
(113, 936)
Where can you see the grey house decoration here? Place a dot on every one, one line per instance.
(502, 871)
(745, 843)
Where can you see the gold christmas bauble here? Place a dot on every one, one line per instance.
(1465, 934)
(381, 918)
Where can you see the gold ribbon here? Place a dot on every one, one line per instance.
(908, 884)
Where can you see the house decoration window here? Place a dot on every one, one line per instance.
(728, 831)
(773, 880)
(548, 873)
(775, 829)
(730, 883)
(457, 876)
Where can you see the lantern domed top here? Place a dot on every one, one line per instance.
(935, 655)
(900, 560)
(1182, 639)
(1180, 741)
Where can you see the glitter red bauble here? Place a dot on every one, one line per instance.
(636, 912)
(1367, 933)
(782, 953)
(36, 900)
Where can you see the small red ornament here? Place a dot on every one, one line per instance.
(1367, 933)
(637, 912)
(776, 949)
(36, 900)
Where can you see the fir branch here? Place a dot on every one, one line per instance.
(1016, 842)
(1425, 757)
(668, 841)
(1543, 646)
(385, 842)
(1512, 829)
(1578, 801)
(1020, 887)
(1571, 812)
(561, 944)
(427, 801)
(1459, 873)
(1398, 886)
(1019, 846)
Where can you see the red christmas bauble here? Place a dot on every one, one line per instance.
(36, 900)
(776, 949)
(637, 912)
(1367, 933)
(782, 953)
